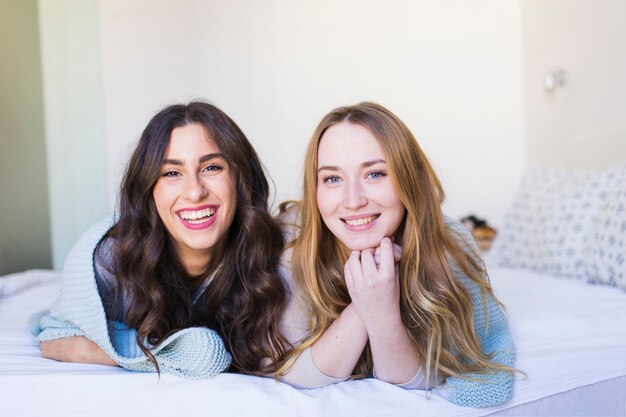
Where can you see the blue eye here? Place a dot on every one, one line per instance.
(376, 175)
(331, 179)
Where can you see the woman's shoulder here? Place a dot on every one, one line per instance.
(94, 234)
(79, 263)
(468, 245)
(103, 260)
(461, 234)
(289, 220)
(86, 244)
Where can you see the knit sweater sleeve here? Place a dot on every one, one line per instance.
(195, 352)
(492, 329)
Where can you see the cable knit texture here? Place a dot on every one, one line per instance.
(484, 390)
(194, 352)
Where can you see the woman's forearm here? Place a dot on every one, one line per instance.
(76, 349)
(395, 357)
(338, 350)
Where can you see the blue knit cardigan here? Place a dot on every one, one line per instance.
(194, 352)
(494, 335)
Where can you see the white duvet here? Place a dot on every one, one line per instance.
(568, 334)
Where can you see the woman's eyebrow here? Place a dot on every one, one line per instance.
(374, 162)
(202, 159)
(210, 156)
(328, 168)
(366, 164)
(172, 162)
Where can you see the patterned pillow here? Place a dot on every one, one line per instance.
(605, 260)
(549, 226)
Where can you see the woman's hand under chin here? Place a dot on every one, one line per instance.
(397, 254)
(372, 278)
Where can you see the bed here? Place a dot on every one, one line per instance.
(557, 264)
(571, 339)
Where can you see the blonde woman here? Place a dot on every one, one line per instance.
(383, 284)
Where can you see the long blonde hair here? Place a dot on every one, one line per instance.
(435, 308)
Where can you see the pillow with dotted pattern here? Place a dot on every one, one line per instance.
(606, 259)
(556, 221)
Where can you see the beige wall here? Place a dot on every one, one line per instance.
(73, 112)
(450, 69)
(455, 71)
(24, 224)
(583, 123)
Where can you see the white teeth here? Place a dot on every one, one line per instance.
(196, 221)
(360, 222)
(197, 214)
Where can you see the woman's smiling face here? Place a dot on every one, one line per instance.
(355, 195)
(195, 194)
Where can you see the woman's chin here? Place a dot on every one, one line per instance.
(362, 244)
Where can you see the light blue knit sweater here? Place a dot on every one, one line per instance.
(194, 352)
(495, 337)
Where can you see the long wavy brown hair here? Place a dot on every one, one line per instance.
(245, 299)
(435, 308)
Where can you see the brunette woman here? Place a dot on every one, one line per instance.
(192, 248)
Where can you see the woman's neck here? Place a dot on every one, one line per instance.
(199, 264)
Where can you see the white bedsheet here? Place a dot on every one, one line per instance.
(568, 334)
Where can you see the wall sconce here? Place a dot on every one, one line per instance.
(554, 79)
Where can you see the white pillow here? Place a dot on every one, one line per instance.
(606, 259)
(549, 226)
(14, 283)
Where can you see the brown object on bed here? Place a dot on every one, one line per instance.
(484, 236)
(482, 232)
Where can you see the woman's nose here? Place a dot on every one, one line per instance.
(195, 189)
(354, 195)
